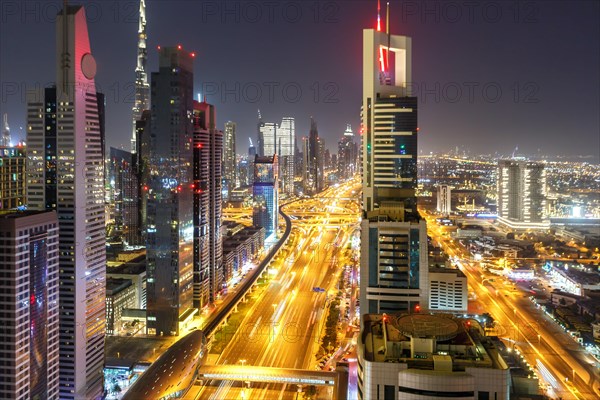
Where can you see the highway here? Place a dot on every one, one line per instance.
(528, 328)
(284, 327)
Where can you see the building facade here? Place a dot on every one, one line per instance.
(29, 267)
(125, 188)
(170, 228)
(265, 211)
(521, 187)
(5, 139)
(65, 173)
(13, 177)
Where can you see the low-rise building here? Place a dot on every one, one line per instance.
(120, 294)
(240, 247)
(424, 356)
(448, 290)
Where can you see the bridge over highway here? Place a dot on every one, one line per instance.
(338, 379)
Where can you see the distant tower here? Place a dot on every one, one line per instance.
(229, 158)
(142, 89)
(286, 144)
(444, 196)
(5, 139)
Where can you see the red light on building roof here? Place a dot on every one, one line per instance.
(193, 54)
(178, 47)
(417, 129)
(158, 47)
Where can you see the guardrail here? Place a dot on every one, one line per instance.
(213, 322)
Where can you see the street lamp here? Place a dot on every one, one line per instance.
(243, 361)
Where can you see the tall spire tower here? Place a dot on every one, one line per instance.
(142, 89)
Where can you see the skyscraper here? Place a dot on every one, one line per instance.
(314, 159)
(208, 242)
(347, 154)
(66, 174)
(394, 267)
(286, 144)
(29, 303)
(522, 194)
(170, 227)
(444, 199)
(142, 89)
(265, 212)
(5, 138)
(229, 159)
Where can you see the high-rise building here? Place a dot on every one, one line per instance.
(208, 242)
(170, 227)
(5, 138)
(444, 199)
(13, 177)
(347, 155)
(124, 183)
(286, 143)
(394, 266)
(229, 159)
(522, 194)
(29, 303)
(307, 180)
(142, 159)
(265, 212)
(142, 89)
(66, 174)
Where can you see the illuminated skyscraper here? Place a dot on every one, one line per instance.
(286, 144)
(142, 89)
(170, 227)
(347, 155)
(229, 159)
(208, 242)
(265, 194)
(394, 267)
(5, 138)
(29, 304)
(522, 194)
(267, 138)
(66, 174)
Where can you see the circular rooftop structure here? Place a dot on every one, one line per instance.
(427, 326)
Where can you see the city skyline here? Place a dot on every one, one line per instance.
(514, 52)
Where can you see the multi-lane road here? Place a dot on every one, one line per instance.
(285, 325)
(528, 328)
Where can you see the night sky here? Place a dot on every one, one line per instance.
(490, 77)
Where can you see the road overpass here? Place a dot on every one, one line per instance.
(337, 379)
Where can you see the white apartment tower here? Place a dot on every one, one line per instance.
(66, 174)
(286, 144)
(444, 197)
(522, 194)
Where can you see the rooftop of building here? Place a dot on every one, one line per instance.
(447, 270)
(426, 341)
(134, 266)
(116, 285)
